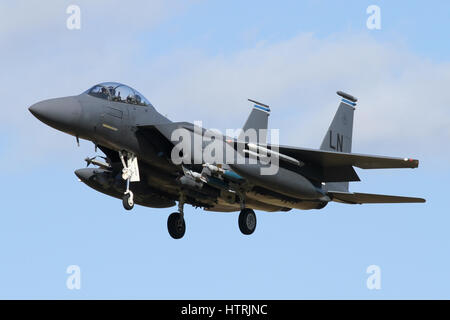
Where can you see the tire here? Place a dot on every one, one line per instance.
(127, 204)
(247, 221)
(176, 225)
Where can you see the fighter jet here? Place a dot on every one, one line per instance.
(154, 162)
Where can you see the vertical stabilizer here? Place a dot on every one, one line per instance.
(257, 120)
(339, 135)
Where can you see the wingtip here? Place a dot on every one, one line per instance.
(419, 200)
(414, 163)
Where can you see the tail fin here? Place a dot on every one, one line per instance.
(257, 120)
(339, 136)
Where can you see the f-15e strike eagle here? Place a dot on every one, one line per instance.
(142, 159)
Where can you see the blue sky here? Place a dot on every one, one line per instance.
(195, 61)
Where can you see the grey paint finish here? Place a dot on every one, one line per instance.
(115, 126)
(61, 113)
(339, 136)
(257, 120)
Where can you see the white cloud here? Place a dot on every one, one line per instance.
(41, 58)
(112, 16)
(404, 104)
(404, 100)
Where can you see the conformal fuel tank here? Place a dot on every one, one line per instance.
(283, 181)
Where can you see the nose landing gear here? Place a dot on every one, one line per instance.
(130, 173)
(128, 200)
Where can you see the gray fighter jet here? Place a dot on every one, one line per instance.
(154, 162)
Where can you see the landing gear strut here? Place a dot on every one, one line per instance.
(175, 223)
(247, 221)
(130, 173)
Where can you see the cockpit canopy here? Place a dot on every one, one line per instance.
(118, 92)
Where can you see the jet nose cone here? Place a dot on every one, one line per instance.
(41, 110)
(61, 113)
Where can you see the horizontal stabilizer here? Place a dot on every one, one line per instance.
(339, 159)
(360, 198)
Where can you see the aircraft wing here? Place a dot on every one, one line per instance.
(161, 134)
(360, 198)
(340, 159)
(324, 159)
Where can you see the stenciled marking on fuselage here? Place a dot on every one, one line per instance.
(109, 127)
(339, 142)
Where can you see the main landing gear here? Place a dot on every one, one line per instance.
(247, 217)
(130, 173)
(247, 221)
(175, 223)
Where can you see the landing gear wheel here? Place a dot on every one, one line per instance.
(130, 173)
(127, 201)
(176, 225)
(247, 221)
